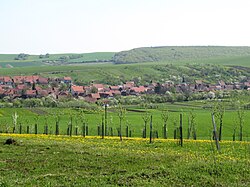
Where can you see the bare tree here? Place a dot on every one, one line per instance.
(165, 117)
(14, 118)
(146, 119)
(121, 115)
(219, 111)
(191, 125)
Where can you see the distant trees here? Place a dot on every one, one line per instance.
(44, 56)
(22, 56)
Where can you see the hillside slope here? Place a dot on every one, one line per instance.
(23, 60)
(174, 53)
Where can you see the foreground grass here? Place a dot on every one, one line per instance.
(63, 161)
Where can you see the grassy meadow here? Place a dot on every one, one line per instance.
(40, 160)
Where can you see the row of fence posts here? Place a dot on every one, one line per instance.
(103, 130)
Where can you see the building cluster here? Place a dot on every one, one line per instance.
(37, 87)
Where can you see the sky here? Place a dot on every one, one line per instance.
(81, 26)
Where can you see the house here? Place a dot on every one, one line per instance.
(115, 92)
(229, 87)
(30, 79)
(95, 96)
(21, 87)
(30, 93)
(99, 87)
(7, 80)
(77, 90)
(67, 80)
(106, 94)
(128, 85)
(246, 85)
(38, 88)
(18, 79)
(199, 85)
(115, 88)
(42, 93)
(92, 98)
(62, 94)
(222, 84)
(42, 80)
(137, 90)
(9, 92)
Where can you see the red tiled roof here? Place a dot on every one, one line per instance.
(114, 87)
(43, 80)
(67, 78)
(42, 92)
(98, 85)
(30, 92)
(129, 85)
(38, 88)
(7, 79)
(139, 89)
(95, 95)
(115, 92)
(78, 89)
(21, 86)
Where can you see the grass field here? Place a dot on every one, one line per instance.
(34, 60)
(203, 121)
(40, 160)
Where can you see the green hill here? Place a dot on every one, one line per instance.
(22, 60)
(160, 64)
(174, 53)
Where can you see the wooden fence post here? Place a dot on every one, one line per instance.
(181, 134)
(151, 130)
(36, 129)
(215, 134)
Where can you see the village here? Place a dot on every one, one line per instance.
(35, 86)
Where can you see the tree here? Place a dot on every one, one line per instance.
(93, 90)
(145, 118)
(14, 118)
(191, 125)
(219, 115)
(165, 117)
(121, 115)
(158, 88)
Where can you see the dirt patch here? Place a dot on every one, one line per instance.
(241, 68)
(38, 111)
(10, 141)
(134, 110)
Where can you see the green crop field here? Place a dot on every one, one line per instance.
(41, 160)
(134, 120)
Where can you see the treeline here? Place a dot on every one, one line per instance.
(22, 56)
